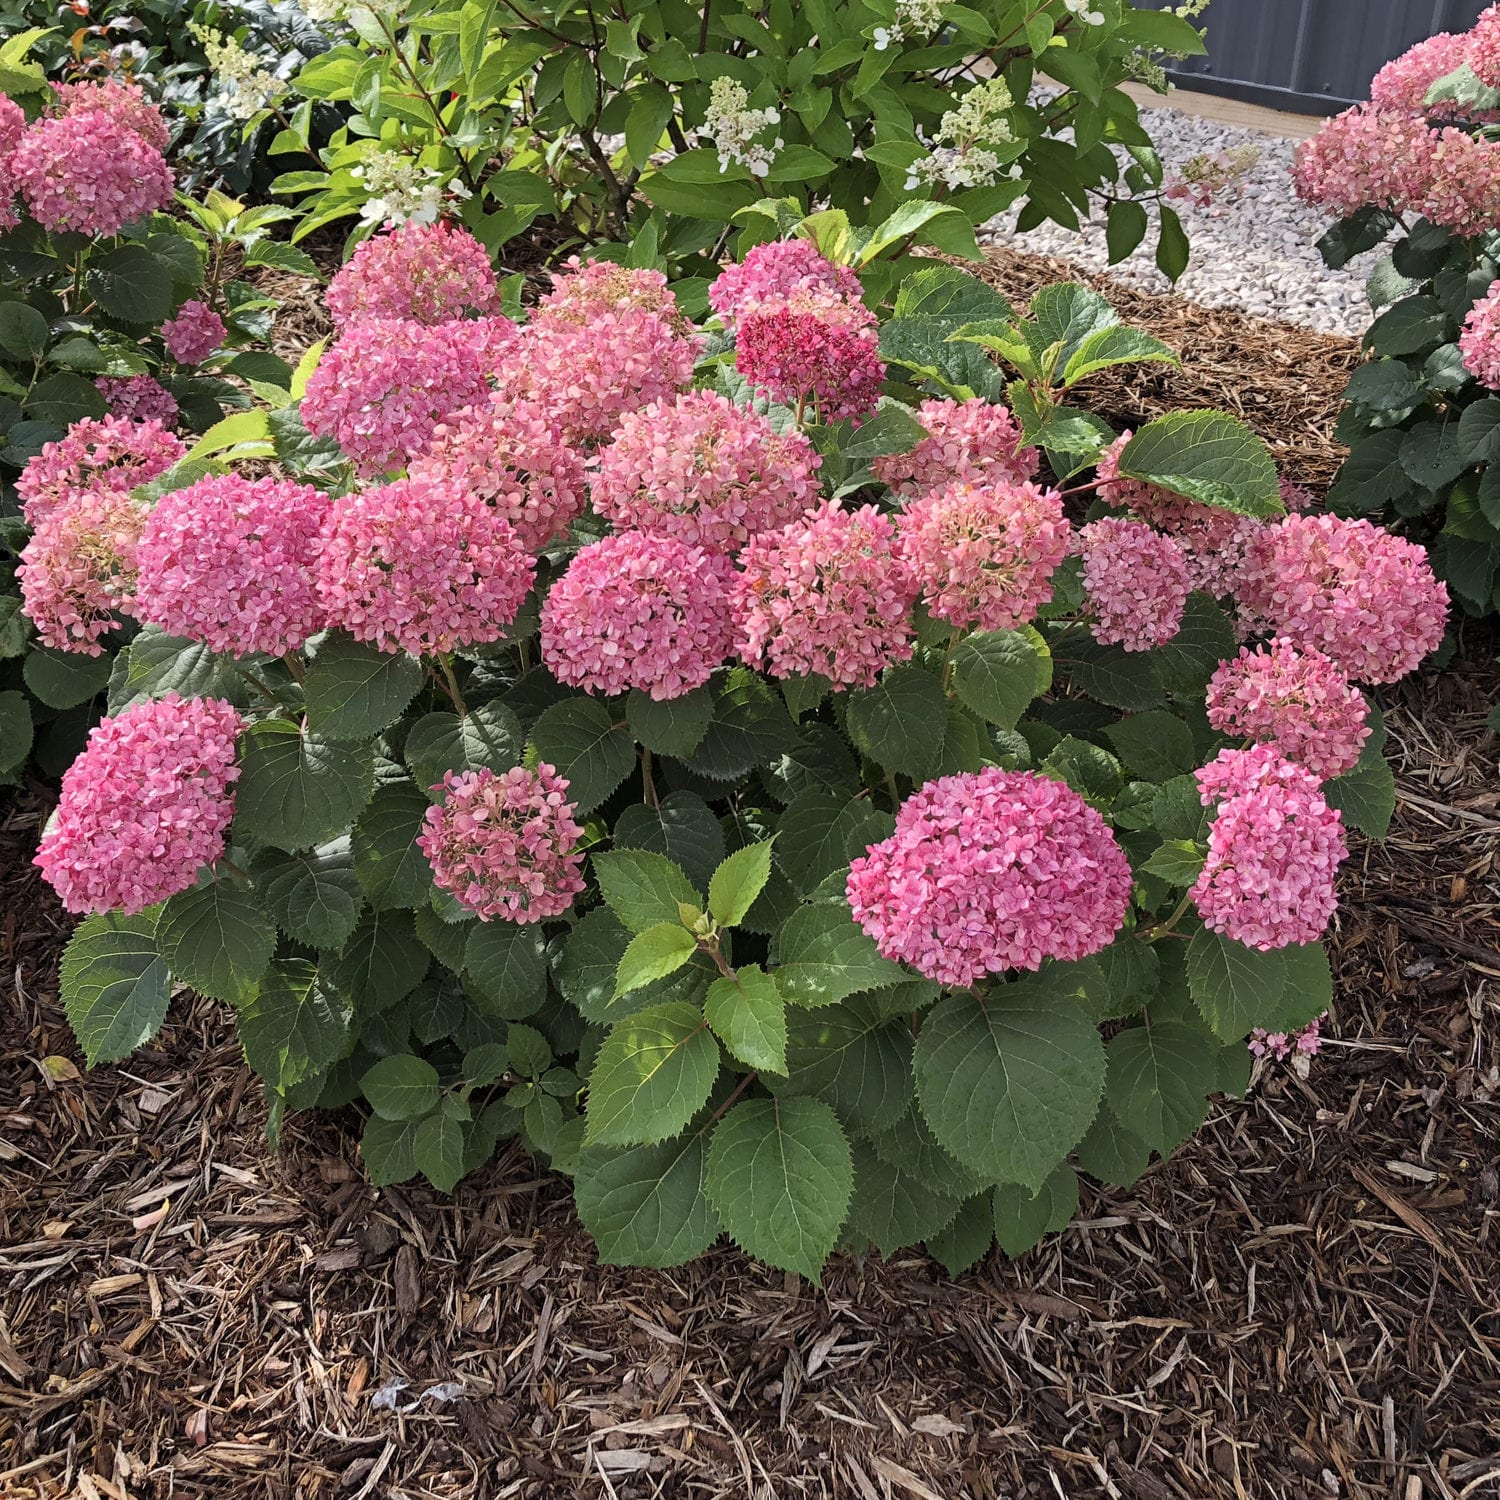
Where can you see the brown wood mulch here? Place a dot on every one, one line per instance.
(1304, 1302)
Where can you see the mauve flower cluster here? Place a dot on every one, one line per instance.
(511, 454)
(1365, 598)
(969, 442)
(584, 289)
(984, 554)
(421, 566)
(1482, 50)
(505, 845)
(230, 562)
(1304, 1042)
(144, 807)
(777, 273)
(1298, 701)
(78, 570)
(988, 871)
(1274, 848)
(1479, 343)
(382, 389)
(112, 454)
(426, 273)
(195, 333)
(89, 173)
(827, 595)
(123, 100)
(699, 468)
(1402, 84)
(639, 611)
(138, 398)
(1137, 581)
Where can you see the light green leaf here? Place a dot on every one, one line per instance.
(1108, 347)
(644, 889)
(749, 1016)
(1208, 456)
(586, 967)
(1007, 1088)
(216, 939)
(115, 985)
(1159, 1079)
(781, 1176)
(296, 790)
(355, 691)
(402, 1087)
(652, 1075)
(653, 954)
(738, 881)
(901, 721)
(646, 1205)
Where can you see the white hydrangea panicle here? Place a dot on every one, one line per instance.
(733, 126)
(913, 18)
(243, 85)
(1082, 10)
(968, 140)
(402, 190)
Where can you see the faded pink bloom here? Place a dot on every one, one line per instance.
(382, 389)
(122, 99)
(230, 562)
(1137, 581)
(138, 398)
(826, 595)
(1479, 343)
(512, 455)
(427, 273)
(505, 846)
(195, 333)
(700, 468)
(988, 871)
(144, 807)
(639, 611)
(1305, 1042)
(1365, 598)
(1481, 50)
(89, 173)
(583, 290)
(969, 442)
(984, 554)
(420, 566)
(109, 455)
(777, 273)
(1298, 701)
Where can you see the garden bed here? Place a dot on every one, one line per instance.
(1297, 1304)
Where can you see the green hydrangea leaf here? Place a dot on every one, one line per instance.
(644, 889)
(115, 984)
(647, 1205)
(294, 1027)
(354, 690)
(1022, 1218)
(216, 939)
(297, 791)
(749, 1016)
(651, 1077)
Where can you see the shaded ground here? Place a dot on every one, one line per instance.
(1304, 1302)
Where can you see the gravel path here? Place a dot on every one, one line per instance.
(1253, 249)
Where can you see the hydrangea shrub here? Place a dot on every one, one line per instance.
(122, 335)
(654, 126)
(1419, 165)
(823, 828)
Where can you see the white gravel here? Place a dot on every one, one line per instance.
(1253, 249)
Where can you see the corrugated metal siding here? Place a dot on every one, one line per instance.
(1311, 55)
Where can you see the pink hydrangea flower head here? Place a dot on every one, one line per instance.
(382, 389)
(1364, 156)
(775, 274)
(827, 595)
(639, 611)
(506, 845)
(428, 273)
(230, 562)
(12, 125)
(991, 870)
(1274, 849)
(77, 573)
(138, 398)
(1479, 343)
(1137, 581)
(1365, 598)
(420, 565)
(89, 173)
(973, 442)
(699, 468)
(583, 290)
(1298, 701)
(195, 333)
(796, 357)
(144, 807)
(109, 455)
(984, 554)
(1457, 182)
(512, 455)
(589, 375)
(1480, 49)
(1296, 497)
(122, 99)
(1305, 1042)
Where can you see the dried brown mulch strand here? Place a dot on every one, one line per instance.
(1283, 380)
(1303, 1302)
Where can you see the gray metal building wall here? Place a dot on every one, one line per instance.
(1313, 56)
